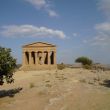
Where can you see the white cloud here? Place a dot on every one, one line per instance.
(30, 31)
(103, 34)
(101, 40)
(75, 34)
(44, 5)
(102, 37)
(104, 5)
(103, 27)
(52, 13)
(85, 41)
(38, 3)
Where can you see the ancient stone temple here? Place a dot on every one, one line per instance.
(39, 55)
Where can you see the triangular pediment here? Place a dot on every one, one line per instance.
(39, 44)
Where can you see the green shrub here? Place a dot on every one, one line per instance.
(7, 65)
(84, 60)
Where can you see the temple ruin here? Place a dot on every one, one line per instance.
(38, 56)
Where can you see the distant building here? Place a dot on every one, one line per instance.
(39, 55)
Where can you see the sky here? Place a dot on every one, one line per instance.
(76, 27)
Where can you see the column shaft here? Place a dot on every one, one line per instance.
(48, 58)
(54, 59)
(42, 58)
(30, 58)
(36, 58)
(23, 59)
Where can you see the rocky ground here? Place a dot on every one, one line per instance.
(67, 89)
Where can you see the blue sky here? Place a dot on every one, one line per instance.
(77, 27)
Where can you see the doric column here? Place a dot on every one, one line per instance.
(23, 59)
(48, 57)
(36, 58)
(42, 58)
(30, 58)
(54, 59)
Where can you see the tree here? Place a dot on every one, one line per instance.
(84, 60)
(7, 65)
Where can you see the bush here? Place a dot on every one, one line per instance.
(7, 65)
(84, 61)
(61, 66)
(87, 66)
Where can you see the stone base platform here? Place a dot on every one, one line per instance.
(38, 67)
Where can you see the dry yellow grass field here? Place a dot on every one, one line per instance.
(67, 89)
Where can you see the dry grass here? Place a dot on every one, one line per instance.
(61, 66)
(31, 85)
(66, 89)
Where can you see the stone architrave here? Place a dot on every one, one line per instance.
(38, 56)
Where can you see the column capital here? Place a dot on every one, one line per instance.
(49, 51)
(24, 51)
(30, 51)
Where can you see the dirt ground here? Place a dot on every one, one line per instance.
(67, 89)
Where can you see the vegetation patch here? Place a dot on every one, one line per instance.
(61, 66)
(82, 80)
(85, 61)
(7, 65)
(48, 85)
(31, 85)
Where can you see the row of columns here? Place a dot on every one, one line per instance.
(39, 58)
